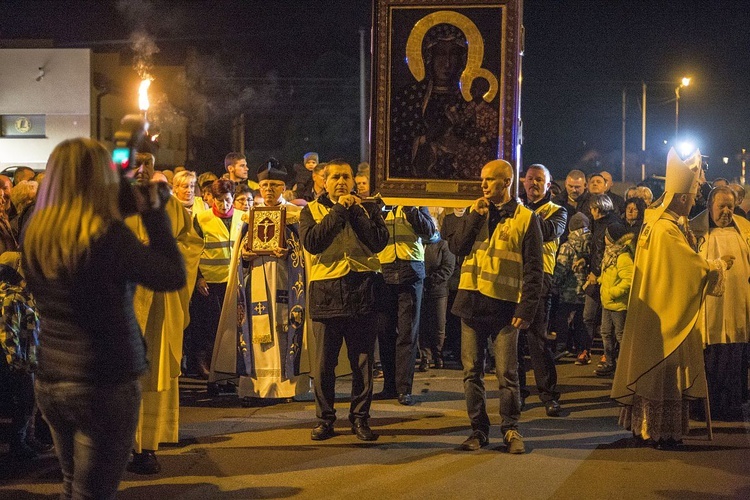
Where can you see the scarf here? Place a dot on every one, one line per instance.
(220, 215)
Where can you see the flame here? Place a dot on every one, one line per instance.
(143, 94)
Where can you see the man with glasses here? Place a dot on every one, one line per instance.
(272, 295)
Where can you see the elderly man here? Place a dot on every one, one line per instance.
(500, 286)
(660, 367)
(739, 192)
(274, 293)
(553, 219)
(725, 320)
(342, 237)
(162, 317)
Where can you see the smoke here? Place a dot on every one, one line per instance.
(139, 14)
(143, 47)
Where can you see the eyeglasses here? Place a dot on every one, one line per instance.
(275, 185)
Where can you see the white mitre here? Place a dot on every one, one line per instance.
(682, 175)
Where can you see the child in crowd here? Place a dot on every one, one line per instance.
(615, 281)
(568, 281)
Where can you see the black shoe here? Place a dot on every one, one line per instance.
(380, 396)
(669, 444)
(424, 364)
(474, 442)
(605, 370)
(439, 363)
(406, 399)
(362, 430)
(322, 431)
(144, 463)
(249, 402)
(553, 408)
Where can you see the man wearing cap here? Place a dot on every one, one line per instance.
(498, 294)
(271, 298)
(660, 367)
(552, 219)
(342, 237)
(236, 166)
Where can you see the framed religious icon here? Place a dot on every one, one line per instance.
(266, 229)
(445, 97)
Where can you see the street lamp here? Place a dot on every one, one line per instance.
(683, 83)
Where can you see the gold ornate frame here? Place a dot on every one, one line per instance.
(266, 229)
(493, 32)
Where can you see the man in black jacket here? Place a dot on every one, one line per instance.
(552, 219)
(343, 236)
(500, 287)
(403, 270)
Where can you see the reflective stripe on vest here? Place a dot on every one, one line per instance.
(217, 249)
(344, 255)
(403, 242)
(494, 267)
(549, 248)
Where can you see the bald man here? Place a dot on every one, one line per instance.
(500, 287)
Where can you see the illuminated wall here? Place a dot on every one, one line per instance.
(60, 93)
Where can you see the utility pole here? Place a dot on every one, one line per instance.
(624, 91)
(363, 139)
(643, 133)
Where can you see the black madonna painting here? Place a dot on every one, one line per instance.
(445, 100)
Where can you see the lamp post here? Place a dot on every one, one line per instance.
(684, 83)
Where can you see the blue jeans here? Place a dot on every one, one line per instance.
(93, 427)
(613, 324)
(474, 337)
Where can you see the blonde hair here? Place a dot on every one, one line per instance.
(77, 202)
(23, 194)
(183, 177)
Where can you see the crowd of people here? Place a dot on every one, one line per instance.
(271, 288)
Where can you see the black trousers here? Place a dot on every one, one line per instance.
(19, 391)
(359, 333)
(399, 335)
(205, 312)
(540, 350)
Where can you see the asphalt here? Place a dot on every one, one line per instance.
(230, 452)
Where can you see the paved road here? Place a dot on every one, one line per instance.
(230, 452)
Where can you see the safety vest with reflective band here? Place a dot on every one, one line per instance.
(494, 267)
(344, 255)
(217, 250)
(403, 242)
(549, 248)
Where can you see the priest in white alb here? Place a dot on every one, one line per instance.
(725, 320)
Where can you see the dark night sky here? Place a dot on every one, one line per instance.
(579, 56)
